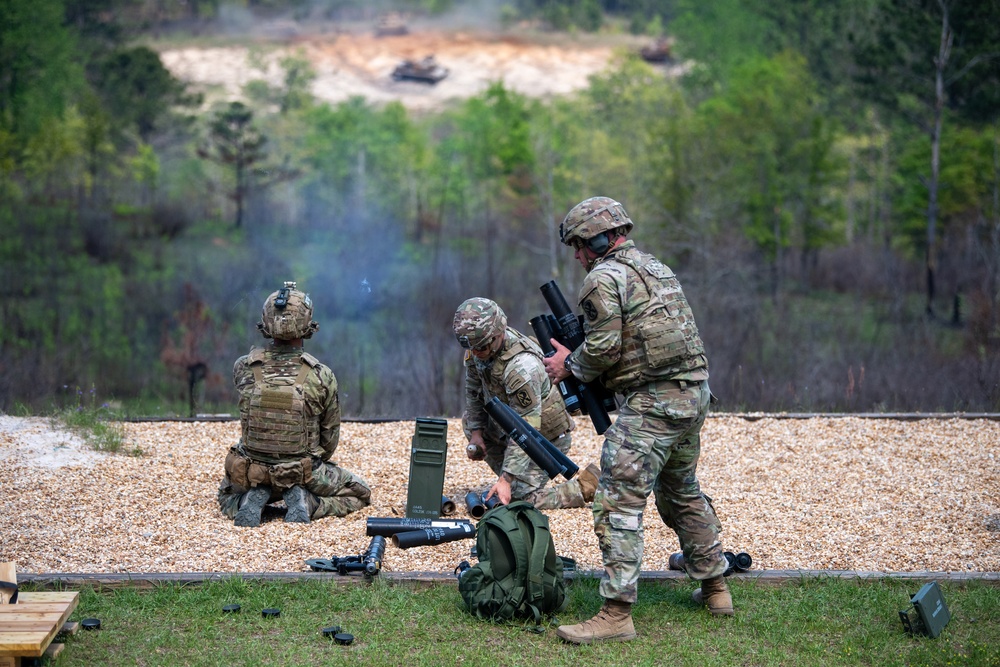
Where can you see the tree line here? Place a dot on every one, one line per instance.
(824, 178)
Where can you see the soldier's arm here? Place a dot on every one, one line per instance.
(524, 380)
(600, 301)
(475, 411)
(329, 416)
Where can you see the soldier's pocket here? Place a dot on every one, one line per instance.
(286, 475)
(624, 540)
(625, 456)
(236, 469)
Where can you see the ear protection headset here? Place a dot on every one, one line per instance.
(599, 244)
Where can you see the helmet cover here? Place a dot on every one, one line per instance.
(591, 217)
(477, 322)
(287, 314)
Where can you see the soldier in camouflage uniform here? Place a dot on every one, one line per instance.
(290, 419)
(642, 342)
(504, 363)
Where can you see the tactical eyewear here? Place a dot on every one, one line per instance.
(482, 347)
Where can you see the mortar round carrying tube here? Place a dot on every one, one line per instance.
(543, 332)
(568, 467)
(514, 426)
(447, 506)
(571, 329)
(372, 558)
(591, 394)
(428, 536)
(474, 503)
(566, 462)
(492, 502)
(389, 526)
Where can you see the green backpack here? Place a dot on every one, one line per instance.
(518, 574)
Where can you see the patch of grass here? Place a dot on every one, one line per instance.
(809, 622)
(96, 425)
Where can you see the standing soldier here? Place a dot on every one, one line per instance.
(642, 341)
(504, 363)
(290, 419)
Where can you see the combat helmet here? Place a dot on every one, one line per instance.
(287, 314)
(477, 322)
(591, 217)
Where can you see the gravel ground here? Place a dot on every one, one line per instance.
(823, 493)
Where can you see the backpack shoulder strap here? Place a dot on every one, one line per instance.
(513, 584)
(541, 538)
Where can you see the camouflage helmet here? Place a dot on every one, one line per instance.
(477, 322)
(591, 217)
(287, 314)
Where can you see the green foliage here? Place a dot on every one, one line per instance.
(137, 89)
(775, 136)
(38, 73)
(95, 423)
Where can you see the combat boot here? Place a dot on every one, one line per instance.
(251, 504)
(301, 505)
(588, 482)
(714, 593)
(612, 623)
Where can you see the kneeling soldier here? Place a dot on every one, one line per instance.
(502, 362)
(290, 419)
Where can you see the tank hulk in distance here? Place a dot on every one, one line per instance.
(426, 70)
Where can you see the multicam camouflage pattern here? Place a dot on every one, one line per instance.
(516, 375)
(591, 217)
(477, 321)
(280, 366)
(338, 490)
(642, 341)
(651, 336)
(287, 314)
(654, 446)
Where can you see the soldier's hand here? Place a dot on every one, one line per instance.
(555, 366)
(501, 490)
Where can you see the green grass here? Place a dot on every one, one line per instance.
(95, 424)
(809, 622)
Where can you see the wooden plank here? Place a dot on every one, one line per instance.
(32, 616)
(35, 608)
(24, 643)
(53, 651)
(43, 596)
(25, 626)
(55, 613)
(9, 661)
(69, 628)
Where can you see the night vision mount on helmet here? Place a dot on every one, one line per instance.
(592, 217)
(287, 314)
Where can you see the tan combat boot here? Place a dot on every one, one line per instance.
(588, 482)
(714, 593)
(612, 623)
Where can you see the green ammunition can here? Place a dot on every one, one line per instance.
(428, 455)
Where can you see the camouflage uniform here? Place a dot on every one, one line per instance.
(338, 491)
(642, 341)
(516, 376)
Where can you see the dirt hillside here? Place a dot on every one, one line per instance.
(360, 63)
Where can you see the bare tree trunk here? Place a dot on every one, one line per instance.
(940, 63)
(993, 291)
